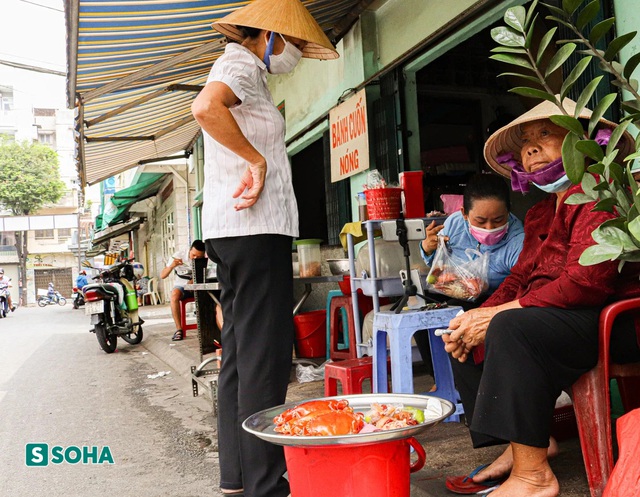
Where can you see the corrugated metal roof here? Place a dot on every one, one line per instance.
(134, 69)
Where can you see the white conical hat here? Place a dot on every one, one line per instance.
(507, 139)
(287, 17)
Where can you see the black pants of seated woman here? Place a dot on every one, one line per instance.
(532, 354)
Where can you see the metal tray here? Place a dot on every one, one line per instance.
(261, 424)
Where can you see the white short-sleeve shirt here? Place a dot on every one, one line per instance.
(276, 211)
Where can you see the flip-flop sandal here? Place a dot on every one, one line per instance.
(177, 336)
(466, 486)
(488, 490)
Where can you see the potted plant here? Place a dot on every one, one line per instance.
(611, 183)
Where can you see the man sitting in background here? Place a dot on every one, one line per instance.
(197, 251)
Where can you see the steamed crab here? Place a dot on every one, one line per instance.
(319, 418)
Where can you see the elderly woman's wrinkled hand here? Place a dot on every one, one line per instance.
(469, 330)
(253, 182)
(457, 348)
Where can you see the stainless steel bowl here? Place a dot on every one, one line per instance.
(338, 266)
(261, 423)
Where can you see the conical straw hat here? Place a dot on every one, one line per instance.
(507, 139)
(287, 17)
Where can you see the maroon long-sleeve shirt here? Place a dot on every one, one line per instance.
(548, 273)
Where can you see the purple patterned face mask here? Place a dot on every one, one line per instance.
(552, 172)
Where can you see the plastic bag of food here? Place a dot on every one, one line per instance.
(375, 180)
(457, 278)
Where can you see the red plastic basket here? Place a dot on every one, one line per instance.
(383, 203)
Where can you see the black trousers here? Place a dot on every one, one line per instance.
(532, 354)
(255, 273)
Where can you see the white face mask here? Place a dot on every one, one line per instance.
(557, 186)
(286, 61)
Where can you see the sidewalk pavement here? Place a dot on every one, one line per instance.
(447, 445)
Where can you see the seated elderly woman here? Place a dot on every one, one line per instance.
(537, 334)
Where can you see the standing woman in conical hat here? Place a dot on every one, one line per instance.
(538, 332)
(249, 219)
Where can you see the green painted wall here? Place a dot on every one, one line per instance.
(376, 41)
(627, 20)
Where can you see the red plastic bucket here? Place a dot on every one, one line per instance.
(311, 333)
(353, 470)
(383, 203)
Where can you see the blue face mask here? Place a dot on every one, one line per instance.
(557, 186)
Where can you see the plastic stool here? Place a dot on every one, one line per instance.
(340, 318)
(400, 328)
(592, 403)
(183, 316)
(346, 349)
(330, 296)
(351, 373)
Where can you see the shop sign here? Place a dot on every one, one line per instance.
(349, 137)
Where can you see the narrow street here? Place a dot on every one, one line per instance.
(57, 387)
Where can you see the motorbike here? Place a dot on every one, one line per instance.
(4, 300)
(113, 307)
(78, 297)
(45, 300)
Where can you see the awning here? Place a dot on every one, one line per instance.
(136, 65)
(117, 207)
(116, 230)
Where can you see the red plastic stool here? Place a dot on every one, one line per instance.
(183, 316)
(351, 373)
(592, 403)
(337, 349)
(335, 324)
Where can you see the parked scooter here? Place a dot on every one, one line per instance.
(78, 298)
(56, 298)
(4, 300)
(113, 307)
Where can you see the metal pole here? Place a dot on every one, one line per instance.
(79, 252)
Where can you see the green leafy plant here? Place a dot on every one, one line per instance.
(30, 180)
(611, 184)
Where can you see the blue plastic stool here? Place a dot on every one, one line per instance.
(399, 328)
(345, 323)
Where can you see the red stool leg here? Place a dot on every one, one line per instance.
(330, 387)
(591, 405)
(183, 317)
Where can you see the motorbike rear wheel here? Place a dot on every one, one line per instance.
(62, 301)
(135, 337)
(42, 302)
(75, 304)
(107, 341)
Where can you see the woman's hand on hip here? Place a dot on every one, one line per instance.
(252, 182)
